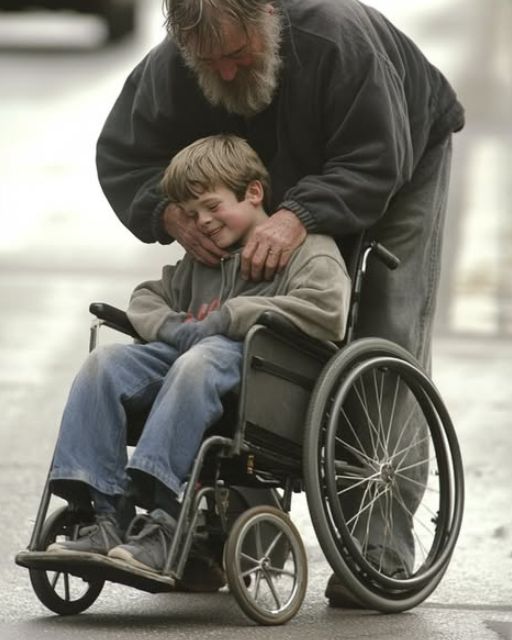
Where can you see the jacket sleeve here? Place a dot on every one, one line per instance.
(316, 300)
(132, 152)
(153, 304)
(367, 149)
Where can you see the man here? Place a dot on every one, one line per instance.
(352, 122)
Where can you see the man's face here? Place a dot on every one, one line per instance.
(220, 216)
(241, 74)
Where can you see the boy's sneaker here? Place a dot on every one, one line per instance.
(96, 538)
(148, 549)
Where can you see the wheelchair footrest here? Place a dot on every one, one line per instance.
(95, 568)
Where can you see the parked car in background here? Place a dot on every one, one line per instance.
(119, 15)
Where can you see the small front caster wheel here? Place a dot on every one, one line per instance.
(62, 592)
(266, 565)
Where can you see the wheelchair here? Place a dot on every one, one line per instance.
(358, 426)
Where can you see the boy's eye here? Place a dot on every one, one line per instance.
(213, 207)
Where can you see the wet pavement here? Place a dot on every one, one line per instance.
(61, 248)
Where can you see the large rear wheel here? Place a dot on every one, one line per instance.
(383, 475)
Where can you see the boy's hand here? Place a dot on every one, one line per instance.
(185, 231)
(187, 334)
(271, 244)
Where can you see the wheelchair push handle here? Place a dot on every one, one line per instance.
(384, 255)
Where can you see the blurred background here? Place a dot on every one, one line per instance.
(62, 247)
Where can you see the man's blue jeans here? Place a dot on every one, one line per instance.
(182, 394)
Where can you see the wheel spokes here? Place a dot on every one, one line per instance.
(270, 558)
(66, 587)
(272, 588)
(376, 458)
(55, 579)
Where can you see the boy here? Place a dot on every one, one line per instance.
(193, 321)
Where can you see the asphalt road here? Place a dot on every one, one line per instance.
(61, 248)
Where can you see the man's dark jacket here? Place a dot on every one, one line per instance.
(357, 106)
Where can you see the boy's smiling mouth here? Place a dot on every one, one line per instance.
(215, 231)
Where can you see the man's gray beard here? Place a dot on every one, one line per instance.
(249, 93)
(252, 89)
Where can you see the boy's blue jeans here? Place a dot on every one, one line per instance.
(183, 394)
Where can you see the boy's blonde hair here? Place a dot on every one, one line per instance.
(207, 163)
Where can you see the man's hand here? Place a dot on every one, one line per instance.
(185, 231)
(271, 244)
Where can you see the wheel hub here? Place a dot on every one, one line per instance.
(387, 473)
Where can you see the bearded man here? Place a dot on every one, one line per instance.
(351, 120)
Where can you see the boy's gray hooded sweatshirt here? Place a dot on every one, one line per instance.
(313, 292)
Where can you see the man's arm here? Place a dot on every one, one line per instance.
(132, 153)
(158, 112)
(368, 157)
(368, 152)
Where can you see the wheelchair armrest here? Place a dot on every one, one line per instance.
(285, 329)
(114, 318)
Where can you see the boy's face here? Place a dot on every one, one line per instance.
(219, 215)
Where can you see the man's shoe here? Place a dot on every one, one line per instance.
(148, 549)
(339, 596)
(384, 559)
(97, 538)
(387, 561)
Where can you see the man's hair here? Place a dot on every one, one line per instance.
(203, 19)
(220, 160)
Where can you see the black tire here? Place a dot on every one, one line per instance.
(279, 571)
(368, 480)
(62, 593)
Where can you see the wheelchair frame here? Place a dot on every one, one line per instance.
(323, 374)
